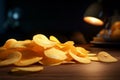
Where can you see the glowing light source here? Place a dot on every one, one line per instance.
(93, 21)
(94, 14)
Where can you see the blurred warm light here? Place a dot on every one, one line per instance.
(93, 21)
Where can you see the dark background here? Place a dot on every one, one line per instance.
(59, 17)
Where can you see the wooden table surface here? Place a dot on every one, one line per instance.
(92, 71)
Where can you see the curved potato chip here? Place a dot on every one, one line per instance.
(55, 54)
(50, 61)
(91, 54)
(10, 43)
(13, 43)
(4, 52)
(28, 62)
(67, 45)
(22, 44)
(105, 57)
(28, 57)
(28, 69)
(80, 59)
(53, 38)
(94, 58)
(11, 58)
(36, 48)
(43, 41)
(82, 51)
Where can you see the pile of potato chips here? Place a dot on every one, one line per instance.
(46, 51)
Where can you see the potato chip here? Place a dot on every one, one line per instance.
(55, 63)
(80, 59)
(28, 62)
(55, 54)
(82, 51)
(28, 57)
(67, 45)
(4, 52)
(28, 69)
(43, 41)
(105, 57)
(94, 58)
(50, 61)
(53, 38)
(22, 44)
(11, 58)
(68, 62)
(91, 54)
(36, 48)
(10, 43)
(13, 43)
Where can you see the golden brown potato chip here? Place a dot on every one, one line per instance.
(53, 38)
(28, 62)
(94, 58)
(82, 51)
(22, 43)
(13, 43)
(11, 58)
(10, 43)
(43, 41)
(4, 52)
(55, 54)
(80, 59)
(91, 54)
(50, 61)
(28, 57)
(67, 45)
(36, 48)
(105, 57)
(28, 69)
